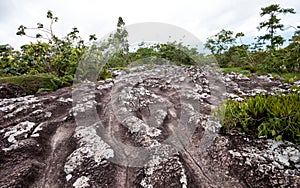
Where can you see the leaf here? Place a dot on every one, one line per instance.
(278, 138)
(38, 35)
(40, 25)
(49, 14)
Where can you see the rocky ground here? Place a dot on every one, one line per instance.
(150, 128)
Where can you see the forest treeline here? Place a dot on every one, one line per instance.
(59, 56)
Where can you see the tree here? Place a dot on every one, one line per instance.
(220, 43)
(273, 25)
(59, 56)
(119, 54)
(122, 35)
(292, 52)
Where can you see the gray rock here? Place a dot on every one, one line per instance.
(75, 137)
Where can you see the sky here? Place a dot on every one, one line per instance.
(201, 18)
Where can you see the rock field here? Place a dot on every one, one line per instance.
(150, 128)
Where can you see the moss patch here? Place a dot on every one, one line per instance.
(33, 83)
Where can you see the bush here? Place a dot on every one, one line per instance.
(265, 116)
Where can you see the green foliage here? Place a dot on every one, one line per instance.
(293, 53)
(105, 74)
(56, 59)
(220, 42)
(118, 45)
(255, 58)
(59, 56)
(174, 52)
(273, 24)
(266, 116)
(144, 52)
(33, 84)
(93, 65)
(277, 60)
(228, 54)
(281, 61)
(9, 61)
(236, 56)
(249, 68)
(290, 77)
(35, 58)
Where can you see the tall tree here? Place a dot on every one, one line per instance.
(122, 35)
(118, 45)
(222, 41)
(273, 25)
(58, 55)
(220, 44)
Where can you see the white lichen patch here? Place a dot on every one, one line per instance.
(242, 77)
(235, 154)
(280, 153)
(20, 109)
(38, 111)
(21, 144)
(19, 129)
(267, 78)
(145, 184)
(83, 107)
(48, 114)
(36, 130)
(136, 125)
(68, 177)
(67, 100)
(157, 166)
(233, 97)
(9, 104)
(153, 164)
(82, 182)
(159, 116)
(190, 94)
(84, 98)
(257, 91)
(16, 105)
(283, 155)
(90, 146)
(105, 86)
(183, 177)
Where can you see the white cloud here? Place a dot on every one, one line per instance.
(202, 18)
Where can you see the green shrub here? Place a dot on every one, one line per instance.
(291, 77)
(265, 116)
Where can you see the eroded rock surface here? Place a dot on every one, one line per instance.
(150, 128)
(9, 90)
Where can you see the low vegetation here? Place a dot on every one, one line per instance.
(265, 116)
